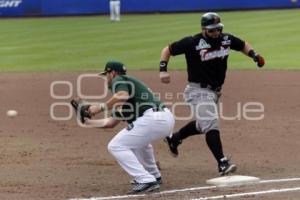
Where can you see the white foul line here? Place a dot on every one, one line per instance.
(200, 188)
(142, 195)
(247, 194)
(279, 180)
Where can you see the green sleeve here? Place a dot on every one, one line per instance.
(119, 84)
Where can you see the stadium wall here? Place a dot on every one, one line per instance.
(12, 8)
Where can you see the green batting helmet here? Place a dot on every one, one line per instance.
(211, 20)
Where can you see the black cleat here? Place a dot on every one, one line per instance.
(145, 188)
(225, 167)
(173, 146)
(158, 180)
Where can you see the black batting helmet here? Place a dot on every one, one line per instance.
(211, 20)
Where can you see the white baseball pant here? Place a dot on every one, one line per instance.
(204, 106)
(114, 6)
(132, 148)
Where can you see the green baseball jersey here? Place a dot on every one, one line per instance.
(141, 98)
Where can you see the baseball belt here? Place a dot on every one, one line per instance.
(216, 89)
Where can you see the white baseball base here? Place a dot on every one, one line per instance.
(234, 180)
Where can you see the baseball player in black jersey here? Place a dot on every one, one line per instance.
(206, 55)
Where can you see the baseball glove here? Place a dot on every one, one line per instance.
(81, 108)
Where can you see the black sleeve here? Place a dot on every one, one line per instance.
(236, 43)
(181, 46)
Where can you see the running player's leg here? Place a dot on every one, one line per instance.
(191, 94)
(207, 120)
(176, 139)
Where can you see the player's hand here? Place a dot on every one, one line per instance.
(164, 77)
(259, 60)
(95, 109)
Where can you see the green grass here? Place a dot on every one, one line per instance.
(85, 43)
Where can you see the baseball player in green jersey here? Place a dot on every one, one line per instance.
(148, 120)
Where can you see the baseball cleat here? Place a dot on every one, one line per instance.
(225, 167)
(159, 181)
(145, 188)
(173, 146)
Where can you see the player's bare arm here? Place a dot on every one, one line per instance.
(249, 51)
(118, 98)
(165, 54)
(102, 123)
(247, 48)
(164, 59)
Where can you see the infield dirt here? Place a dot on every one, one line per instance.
(41, 158)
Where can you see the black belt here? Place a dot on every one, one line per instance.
(159, 109)
(216, 89)
(154, 109)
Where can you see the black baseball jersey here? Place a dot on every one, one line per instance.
(206, 60)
